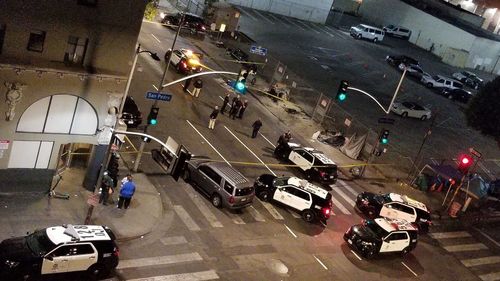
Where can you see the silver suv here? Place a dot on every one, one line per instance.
(442, 82)
(223, 184)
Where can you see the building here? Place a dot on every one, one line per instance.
(63, 70)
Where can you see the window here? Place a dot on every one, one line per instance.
(84, 249)
(211, 174)
(228, 188)
(398, 236)
(35, 43)
(89, 3)
(2, 35)
(62, 251)
(306, 155)
(75, 50)
(244, 191)
(299, 193)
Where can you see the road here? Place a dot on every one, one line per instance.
(195, 241)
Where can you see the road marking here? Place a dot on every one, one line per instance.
(208, 142)
(193, 276)
(340, 206)
(409, 269)
(156, 88)
(267, 140)
(307, 26)
(173, 240)
(262, 16)
(202, 206)
(465, 247)
(250, 150)
(289, 21)
(490, 276)
(311, 26)
(162, 260)
(294, 214)
(487, 236)
(271, 15)
(255, 214)
(234, 217)
(326, 67)
(356, 255)
(453, 234)
(188, 221)
(343, 195)
(481, 261)
(290, 231)
(320, 262)
(155, 38)
(272, 210)
(346, 186)
(248, 14)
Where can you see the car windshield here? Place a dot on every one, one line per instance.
(375, 228)
(382, 199)
(39, 242)
(280, 181)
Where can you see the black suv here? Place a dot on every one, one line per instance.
(401, 59)
(131, 114)
(312, 202)
(194, 23)
(460, 95)
(59, 249)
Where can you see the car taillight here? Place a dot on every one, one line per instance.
(322, 174)
(116, 252)
(231, 199)
(327, 212)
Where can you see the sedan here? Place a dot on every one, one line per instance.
(411, 109)
(185, 61)
(460, 95)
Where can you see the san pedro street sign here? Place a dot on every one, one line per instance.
(158, 96)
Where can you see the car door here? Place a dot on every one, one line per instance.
(57, 261)
(176, 57)
(395, 242)
(389, 210)
(407, 213)
(82, 257)
(297, 157)
(210, 181)
(302, 200)
(283, 195)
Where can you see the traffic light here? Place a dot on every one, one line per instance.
(153, 115)
(464, 163)
(384, 137)
(342, 91)
(239, 84)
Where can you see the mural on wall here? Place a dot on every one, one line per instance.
(12, 97)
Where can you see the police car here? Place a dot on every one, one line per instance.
(382, 235)
(312, 202)
(57, 250)
(315, 165)
(394, 206)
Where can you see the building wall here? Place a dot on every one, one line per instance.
(309, 10)
(346, 5)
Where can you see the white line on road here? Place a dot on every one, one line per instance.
(346, 186)
(193, 276)
(267, 140)
(487, 236)
(340, 206)
(173, 240)
(188, 221)
(320, 262)
(495, 276)
(262, 16)
(234, 217)
(409, 269)
(272, 210)
(311, 27)
(354, 253)
(289, 21)
(343, 195)
(155, 38)
(156, 88)
(294, 214)
(481, 261)
(208, 142)
(290, 231)
(249, 150)
(162, 260)
(256, 214)
(202, 206)
(451, 234)
(465, 247)
(271, 15)
(248, 14)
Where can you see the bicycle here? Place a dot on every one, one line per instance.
(59, 195)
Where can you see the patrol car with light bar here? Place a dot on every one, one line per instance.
(59, 250)
(382, 235)
(394, 206)
(312, 202)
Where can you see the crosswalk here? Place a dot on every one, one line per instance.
(472, 254)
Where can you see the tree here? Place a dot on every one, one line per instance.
(151, 9)
(483, 113)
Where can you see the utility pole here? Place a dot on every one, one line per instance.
(160, 88)
(424, 140)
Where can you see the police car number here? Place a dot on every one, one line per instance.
(89, 232)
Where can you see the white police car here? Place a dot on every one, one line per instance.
(312, 202)
(58, 250)
(382, 235)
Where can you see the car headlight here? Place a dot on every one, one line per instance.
(11, 264)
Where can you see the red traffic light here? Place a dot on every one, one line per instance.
(465, 160)
(464, 163)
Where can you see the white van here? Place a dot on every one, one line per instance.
(397, 31)
(361, 31)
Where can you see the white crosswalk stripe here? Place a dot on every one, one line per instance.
(465, 247)
(272, 210)
(234, 217)
(256, 214)
(173, 240)
(346, 186)
(451, 234)
(340, 206)
(495, 276)
(277, 19)
(257, 12)
(186, 219)
(343, 195)
(202, 206)
(193, 276)
(161, 260)
(481, 261)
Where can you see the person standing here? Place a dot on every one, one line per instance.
(126, 179)
(106, 188)
(213, 117)
(256, 127)
(198, 84)
(243, 108)
(126, 193)
(233, 102)
(224, 103)
(235, 109)
(186, 85)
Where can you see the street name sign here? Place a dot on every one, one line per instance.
(158, 96)
(258, 50)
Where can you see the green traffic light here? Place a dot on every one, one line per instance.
(385, 141)
(342, 97)
(153, 121)
(240, 86)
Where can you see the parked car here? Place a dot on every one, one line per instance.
(238, 54)
(223, 184)
(469, 78)
(415, 71)
(194, 23)
(312, 202)
(363, 31)
(439, 81)
(411, 109)
(457, 94)
(131, 114)
(185, 61)
(401, 61)
(397, 31)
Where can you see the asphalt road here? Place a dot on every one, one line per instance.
(195, 241)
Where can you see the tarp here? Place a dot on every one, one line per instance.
(353, 146)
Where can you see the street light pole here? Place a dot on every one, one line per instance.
(160, 88)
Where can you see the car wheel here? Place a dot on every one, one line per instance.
(423, 118)
(97, 272)
(359, 36)
(375, 40)
(405, 251)
(429, 85)
(308, 215)
(216, 200)
(186, 176)
(369, 253)
(264, 196)
(404, 114)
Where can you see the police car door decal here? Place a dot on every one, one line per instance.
(56, 261)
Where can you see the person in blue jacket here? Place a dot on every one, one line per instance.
(126, 193)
